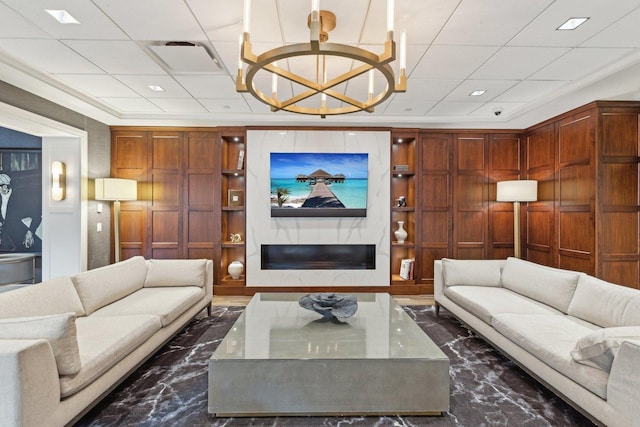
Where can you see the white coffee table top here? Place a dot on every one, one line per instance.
(274, 326)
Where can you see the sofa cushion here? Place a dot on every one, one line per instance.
(58, 329)
(176, 272)
(599, 348)
(471, 272)
(55, 296)
(167, 303)
(103, 342)
(486, 302)
(107, 284)
(551, 339)
(604, 303)
(545, 284)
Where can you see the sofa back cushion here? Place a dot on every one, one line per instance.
(110, 283)
(605, 304)
(175, 272)
(58, 329)
(459, 272)
(55, 296)
(548, 285)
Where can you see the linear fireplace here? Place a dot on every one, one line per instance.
(318, 257)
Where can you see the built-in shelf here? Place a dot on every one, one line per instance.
(403, 183)
(233, 218)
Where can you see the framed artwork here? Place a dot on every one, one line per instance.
(20, 201)
(235, 198)
(319, 184)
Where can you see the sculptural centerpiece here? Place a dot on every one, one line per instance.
(330, 305)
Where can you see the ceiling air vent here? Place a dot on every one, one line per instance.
(181, 57)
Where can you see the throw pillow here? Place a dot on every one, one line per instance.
(175, 272)
(599, 348)
(58, 329)
(471, 272)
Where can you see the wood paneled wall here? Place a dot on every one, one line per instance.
(178, 173)
(587, 217)
(458, 213)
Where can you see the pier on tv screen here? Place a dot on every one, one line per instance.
(319, 184)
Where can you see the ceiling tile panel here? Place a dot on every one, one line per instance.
(15, 25)
(220, 21)
(454, 109)
(493, 88)
(422, 20)
(452, 62)
(141, 85)
(132, 105)
(93, 25)
(116, 57)
(206, 86)
(625, 33)
(150, 20)
(225, 105)
(98, 85)
(542, 31)
(183, 106)
(530, 90)
(489, 22)
(49, 56)
(579, 62)
(517, 62)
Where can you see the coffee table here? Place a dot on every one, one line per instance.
(280, 359)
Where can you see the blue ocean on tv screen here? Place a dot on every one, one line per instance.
(352, 192)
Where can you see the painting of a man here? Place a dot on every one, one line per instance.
(20, 219)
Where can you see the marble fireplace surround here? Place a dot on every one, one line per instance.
(262, 229)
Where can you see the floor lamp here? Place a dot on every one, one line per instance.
(116, 190)
(517, 191)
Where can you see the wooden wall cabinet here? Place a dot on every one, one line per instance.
(587, 216)
(177, 172)
(457, 211)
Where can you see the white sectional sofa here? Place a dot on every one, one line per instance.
(578, 335)
(67, 342)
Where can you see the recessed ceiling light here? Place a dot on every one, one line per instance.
(351, 133)
(572, 23)
(62, 16)
(156, 88)
(477, 93)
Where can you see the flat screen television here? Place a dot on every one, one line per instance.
(319, 184)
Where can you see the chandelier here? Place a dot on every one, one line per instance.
(328, 78)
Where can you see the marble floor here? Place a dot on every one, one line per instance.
(486, 389)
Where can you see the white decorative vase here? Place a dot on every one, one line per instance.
(401, 233)
(235, 269)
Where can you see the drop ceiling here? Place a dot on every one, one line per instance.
(104, 66)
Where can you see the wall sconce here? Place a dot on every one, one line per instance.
(58, 181)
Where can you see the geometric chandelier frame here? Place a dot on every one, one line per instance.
(320, 22)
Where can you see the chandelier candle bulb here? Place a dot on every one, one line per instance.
(370, 84)
(403, 52)
(246, 17)
(390, 17)
(240, 40)
(274, 83)
(315, 9)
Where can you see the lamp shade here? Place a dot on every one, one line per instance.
(517, 191)
(116, 189)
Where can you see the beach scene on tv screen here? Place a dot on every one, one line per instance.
(319, 180)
